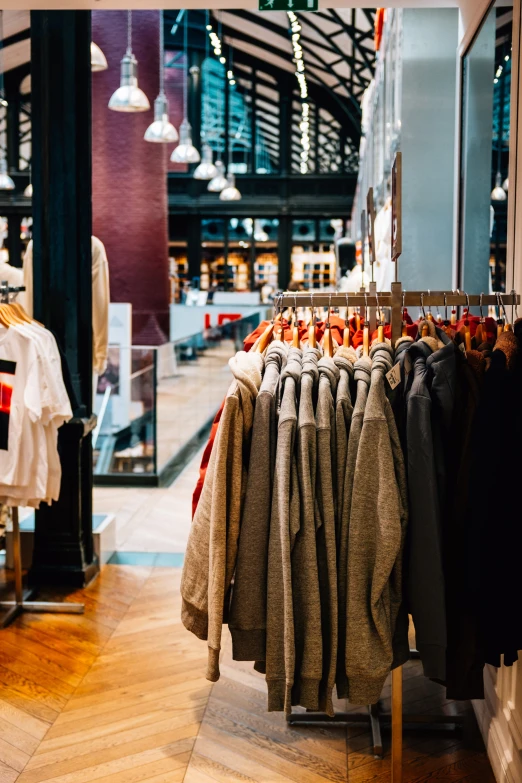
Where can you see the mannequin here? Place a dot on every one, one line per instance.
(100, 301)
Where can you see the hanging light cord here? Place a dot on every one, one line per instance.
(185, 81)
(129, 32)
(161, 63)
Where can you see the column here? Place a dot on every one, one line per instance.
(130, 211)
(61, 112)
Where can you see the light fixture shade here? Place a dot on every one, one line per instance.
(161, 131)
(219, 181)
(498, 193)
(28, 192)
(505, 184)
(230, 192)
(6, 183)
(128, 97)
(185, 152)
(98, 59)
(206, 169)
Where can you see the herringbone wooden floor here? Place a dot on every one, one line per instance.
(119, 696)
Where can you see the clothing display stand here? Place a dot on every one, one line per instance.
(22, 602)
(395, 301)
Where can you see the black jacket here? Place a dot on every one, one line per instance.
(429, 402)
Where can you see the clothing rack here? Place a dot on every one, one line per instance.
(22, 602)
(373, 301)
(395, 300)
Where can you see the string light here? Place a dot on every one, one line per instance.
(216, 45)
(304, 125)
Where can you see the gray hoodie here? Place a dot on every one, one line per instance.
(284, 524)
(344, 359)
(362, 371)
(305, 579)
(378, 517)
(247, 619)
(326, 519)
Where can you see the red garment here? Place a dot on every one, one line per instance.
(379, 24)
(205, 460)
(474, 320)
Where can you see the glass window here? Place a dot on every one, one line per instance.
(304, 231)
(485, 153)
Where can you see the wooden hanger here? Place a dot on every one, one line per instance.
(268, 334)
(346, 330)
(467, 331)
(328, 346)
(366, 336)
(296, 342)
(17, 307)
(425, 328)
(312, 339)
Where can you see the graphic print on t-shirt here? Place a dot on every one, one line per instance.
(7, 372)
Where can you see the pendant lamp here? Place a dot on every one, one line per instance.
(498, 193)
(185, 152)
(28, 192)
(505, 184)
(219, 181)
(230, 192)
(128, 97)
(6, 183)
(161, 131)
(206, 169)
(98, 59)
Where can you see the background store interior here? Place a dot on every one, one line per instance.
(193, 272)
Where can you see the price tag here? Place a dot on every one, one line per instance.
(394, 376)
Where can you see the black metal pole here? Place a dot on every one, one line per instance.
(253, 122)
(62, 264)
(14, 240)
(194, 95)
(284, 251)
(226, 129)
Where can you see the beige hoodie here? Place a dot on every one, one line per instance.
(211, 553)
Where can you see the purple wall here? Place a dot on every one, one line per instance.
(130, 211)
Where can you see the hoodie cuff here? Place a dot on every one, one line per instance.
(279, 696)
(213, 665)
(248, 645)
(365, 690)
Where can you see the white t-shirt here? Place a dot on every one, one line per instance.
(21, 388)
(38, 476)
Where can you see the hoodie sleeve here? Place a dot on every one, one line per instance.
(203, 583)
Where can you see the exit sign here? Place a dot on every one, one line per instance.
(288, 5)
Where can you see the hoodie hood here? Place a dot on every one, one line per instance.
(328, 368)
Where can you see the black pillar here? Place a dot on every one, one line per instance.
(226, 129)
(285, 124)
(194, 246)
(14, 240)
(61, 131)
(284, 251)
(253, 122)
